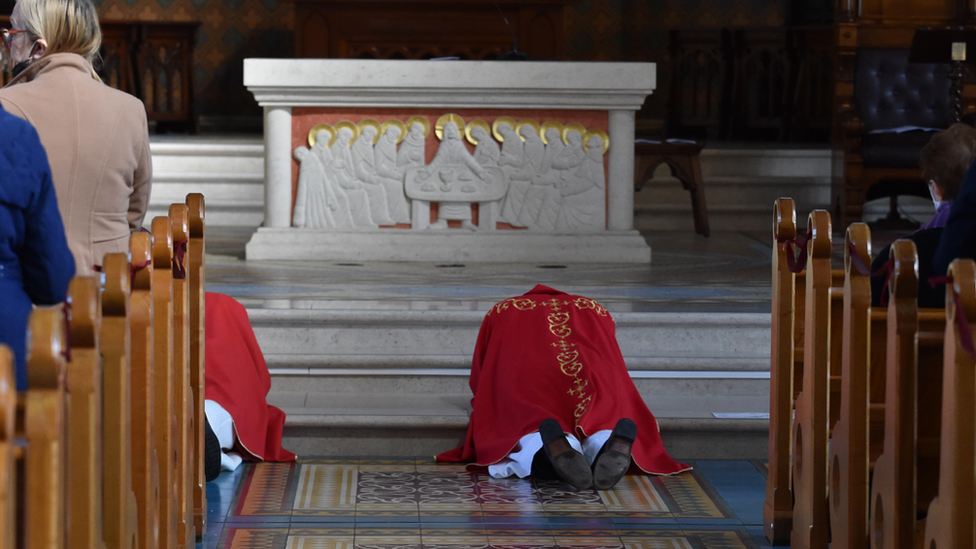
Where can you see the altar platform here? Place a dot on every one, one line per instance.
(373, 358)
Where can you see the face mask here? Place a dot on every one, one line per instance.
(937, 203)
(19, 67)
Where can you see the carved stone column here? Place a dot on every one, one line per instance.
(277, 167)
(620, 183)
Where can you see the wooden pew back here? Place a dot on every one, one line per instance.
(84, 415)
(952, 512)
(164, 414)
(810, 511)
(145, 463)
(182, 396)
(120, 509)
(196, 250)
(43, 506)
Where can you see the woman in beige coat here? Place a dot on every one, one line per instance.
(96, 137)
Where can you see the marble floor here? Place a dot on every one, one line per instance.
(321, 503)
(728, 272)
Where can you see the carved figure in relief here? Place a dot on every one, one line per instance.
(411, 153)
(554, 146)
(313, 207)
(511, 153)
(364, 162)
(453, 164)
(486, 151)
(345, 215)
(372, 197)
(511, 159)
(533, 150)
(386, 154)
(582, 190)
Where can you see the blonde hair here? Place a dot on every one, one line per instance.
(68, 26)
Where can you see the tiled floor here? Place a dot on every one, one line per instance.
(415, 503)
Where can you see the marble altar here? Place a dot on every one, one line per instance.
(449, 160)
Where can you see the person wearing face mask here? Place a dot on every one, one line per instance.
(96, 137)
(944, 161)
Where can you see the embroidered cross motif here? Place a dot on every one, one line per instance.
(563, 345)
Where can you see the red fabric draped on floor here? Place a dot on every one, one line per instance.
(237, 378)
(548, 354)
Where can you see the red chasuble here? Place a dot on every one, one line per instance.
(548, 354)
(237, 378)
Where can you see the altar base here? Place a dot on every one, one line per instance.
(448, 245)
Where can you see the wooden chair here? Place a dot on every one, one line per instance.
(684, 161)
(906, 472)
(849, 447)
(950, 518)
(182, 394)
(145, 462)
(43, 403)
(165, 412)
(195, 276)
(8, 448)
(119, 507)
(84, 415)
(810, 513)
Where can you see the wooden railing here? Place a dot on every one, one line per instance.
(108, 436)
(871, 418)
(151, 60)
(771, 84)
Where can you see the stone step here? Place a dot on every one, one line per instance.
(395, 382)
(229, 171)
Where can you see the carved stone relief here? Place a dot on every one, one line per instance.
(547, 177)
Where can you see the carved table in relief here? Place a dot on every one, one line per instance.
(449, 161)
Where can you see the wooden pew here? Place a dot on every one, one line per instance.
(145, 462)
(906, 473)
(195, 275)
(849, 448)
(164, 414)
(43, 504)
(120, 509)
(182, 396)
(778, 508)
(951, 514)
(786, 369)
(810, 511)
(8, 449)
(84, 415)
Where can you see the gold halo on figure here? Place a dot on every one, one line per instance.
(475, 124)
(498, 122)
(444, 119)
(370, 122)
(535, 125)
(548, 126)
(318, 127)
(603, 135)
(571, 127)
(347, 124)
(422, 120)
(387, 124)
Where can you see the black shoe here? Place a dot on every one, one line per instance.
(211, 452)
(612, 462)
(569, 464)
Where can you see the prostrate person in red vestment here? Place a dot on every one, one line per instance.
(239, 419)
(547, 373)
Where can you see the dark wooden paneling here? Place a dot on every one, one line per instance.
(433, 28)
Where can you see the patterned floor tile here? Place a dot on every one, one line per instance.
(687, 539)
(253, 538)
(319, 542)
(689, 495)
(266, 490)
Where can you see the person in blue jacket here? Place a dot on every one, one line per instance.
(35, 262)
(959, 237)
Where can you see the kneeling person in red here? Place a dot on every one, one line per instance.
(553, 398)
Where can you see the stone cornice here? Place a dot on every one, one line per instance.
(445, 84)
